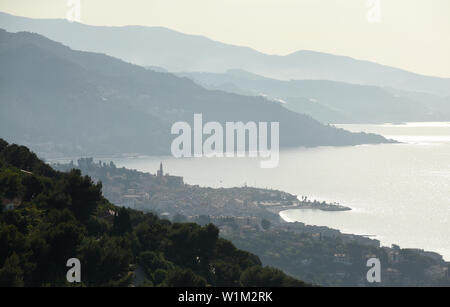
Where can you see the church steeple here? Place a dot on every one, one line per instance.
(160, 171)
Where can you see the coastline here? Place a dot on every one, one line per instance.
(282, 213)
(250, 218)
(245, 201)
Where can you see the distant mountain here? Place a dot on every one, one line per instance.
(331, 101)
(156, 46)
(56, 99)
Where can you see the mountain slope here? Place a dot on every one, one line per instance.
(59, 100)
(156, 46)
(330, 101)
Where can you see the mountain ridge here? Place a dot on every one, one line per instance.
(92, 103)
(331, 101)
(175, 51)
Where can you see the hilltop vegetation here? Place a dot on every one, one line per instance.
(48, 217)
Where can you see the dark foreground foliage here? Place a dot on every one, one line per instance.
(48, 217)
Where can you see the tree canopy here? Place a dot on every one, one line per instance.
(58, 216)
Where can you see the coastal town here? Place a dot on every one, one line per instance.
(249, 217)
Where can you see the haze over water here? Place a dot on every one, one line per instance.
(398, 192)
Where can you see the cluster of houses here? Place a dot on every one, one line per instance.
(10, 204)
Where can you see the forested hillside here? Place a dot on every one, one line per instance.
(48, 217)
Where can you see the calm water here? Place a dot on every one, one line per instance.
(398, 192)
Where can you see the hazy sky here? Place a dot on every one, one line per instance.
(411, 34)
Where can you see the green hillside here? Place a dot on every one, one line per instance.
(48, 217)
